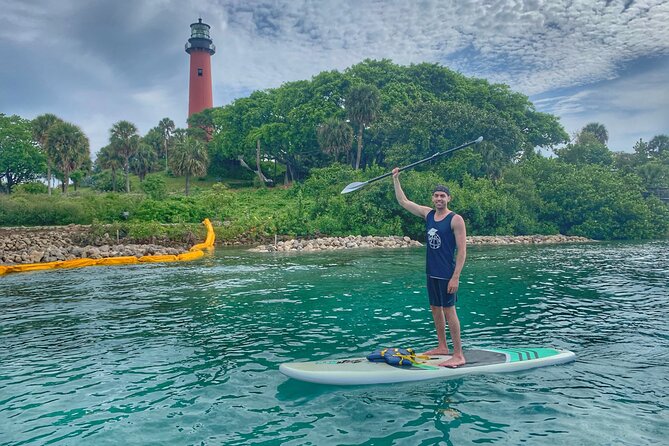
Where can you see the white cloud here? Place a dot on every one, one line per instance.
(533, 46)
(102, 56)
(631, 107)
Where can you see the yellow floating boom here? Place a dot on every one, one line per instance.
(195, 252)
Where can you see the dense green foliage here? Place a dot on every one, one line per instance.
(539, 196)
(407, 113)
(20, 159)
(542, 196)
(313, 134)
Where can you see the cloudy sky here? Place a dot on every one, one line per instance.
(96, 62)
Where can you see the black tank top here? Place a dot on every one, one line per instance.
(441, 246)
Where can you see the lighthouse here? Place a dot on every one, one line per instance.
(200, 48)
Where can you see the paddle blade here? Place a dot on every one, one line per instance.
(353, 186)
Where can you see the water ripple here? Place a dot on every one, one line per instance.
(186, 354)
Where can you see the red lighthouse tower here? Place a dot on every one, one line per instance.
(200, 47)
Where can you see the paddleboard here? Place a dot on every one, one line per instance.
(356, 371)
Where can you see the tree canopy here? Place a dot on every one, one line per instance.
(70, 149)
(20, 158)
(397, 113)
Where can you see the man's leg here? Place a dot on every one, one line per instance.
(440, 325)
(458, 358)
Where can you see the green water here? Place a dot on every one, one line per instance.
(188, 353)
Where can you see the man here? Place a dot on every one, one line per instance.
(446, 234)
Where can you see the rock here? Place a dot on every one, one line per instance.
(394, 242)
(93, 253)
(36, 256)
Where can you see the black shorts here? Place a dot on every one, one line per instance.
(437, 291)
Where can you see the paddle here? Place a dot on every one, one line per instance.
(358, 185)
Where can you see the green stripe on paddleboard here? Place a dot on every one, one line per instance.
(524, 354)
(425, 366)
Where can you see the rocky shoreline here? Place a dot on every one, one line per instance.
(353, 242)
(57, 243)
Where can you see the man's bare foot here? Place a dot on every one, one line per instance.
(455, 361)
(441, 351)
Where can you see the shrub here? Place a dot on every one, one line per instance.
(42, 211)
(32, 188)
(155, 187)
(102, 181)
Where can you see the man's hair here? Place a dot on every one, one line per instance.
(441, 188)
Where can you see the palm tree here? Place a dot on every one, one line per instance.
(108, 159)
(335, 136)
(658, 147)
(179, 136)
(69, 147)
(493, 161)
(654, 174)
(190, 158)
(143, 160)
(166, 128)
(362, 104)
(81, 173)
(597, 130)
(124, 140)
(41, 126)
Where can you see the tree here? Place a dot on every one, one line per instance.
(256, 135)
(493, 161)
(41, 126)
(362, 104)
(335, 137)
(108, 159)
(166, 129)
(594, 201)
(143, 160)
(190, 159)
(20, 159)
(202, 124)
(179, 135)
(641, 151)
(421, 109)
(588, 149)
(70, 149)
(417, 130)
(595, 129)
(78, 175)
(658, 148)
(654, 174)
(625, 162)
(125, 140)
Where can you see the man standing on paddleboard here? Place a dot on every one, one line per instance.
(446, 235)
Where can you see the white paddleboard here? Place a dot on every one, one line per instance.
(354, 371)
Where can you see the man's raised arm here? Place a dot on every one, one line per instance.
(415, 209)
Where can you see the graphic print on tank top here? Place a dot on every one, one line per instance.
(433, 238)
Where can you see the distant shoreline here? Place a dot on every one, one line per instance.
(22, 245)
(353, 242)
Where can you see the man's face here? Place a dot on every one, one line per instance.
(440, 199)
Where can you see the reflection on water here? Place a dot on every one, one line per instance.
(188, 354)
